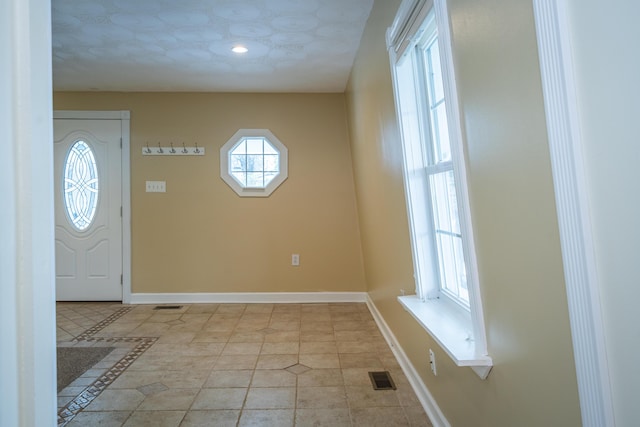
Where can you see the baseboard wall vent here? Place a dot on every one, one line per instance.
(167, 307)
(382, 380)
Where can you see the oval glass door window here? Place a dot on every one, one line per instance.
(81, 185)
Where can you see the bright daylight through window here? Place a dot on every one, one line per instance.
(253, 162)
(81, 185)
(447, 301)
(442, 186)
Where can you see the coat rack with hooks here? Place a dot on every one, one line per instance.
(183, 150)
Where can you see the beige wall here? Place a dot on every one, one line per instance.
(200, 236)
(533, 382)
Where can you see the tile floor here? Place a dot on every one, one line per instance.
(232, 365)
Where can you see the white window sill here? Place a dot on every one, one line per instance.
(451, 328)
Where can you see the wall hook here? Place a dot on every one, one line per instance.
(171, 150)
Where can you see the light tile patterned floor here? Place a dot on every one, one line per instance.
(232, 365)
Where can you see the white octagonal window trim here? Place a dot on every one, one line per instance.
(253, 162)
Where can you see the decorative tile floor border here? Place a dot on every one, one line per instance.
(81, 401)
(71, 409)
(103, 324)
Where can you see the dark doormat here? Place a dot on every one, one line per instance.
(75, 361)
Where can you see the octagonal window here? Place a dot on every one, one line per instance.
(253, 162)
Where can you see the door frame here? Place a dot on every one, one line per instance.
(574, 217)
(125, 157)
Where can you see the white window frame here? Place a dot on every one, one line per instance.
(236, 186)
(457, 328)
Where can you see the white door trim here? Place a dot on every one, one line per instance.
(125, 120)
(570, 184)
(27, 262)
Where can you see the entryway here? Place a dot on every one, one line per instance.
(89, 192)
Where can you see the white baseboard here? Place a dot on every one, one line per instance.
(428, 402)
(248, 297)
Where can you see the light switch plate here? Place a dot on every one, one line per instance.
(156, 187)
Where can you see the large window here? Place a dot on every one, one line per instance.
(439, 169)
(447, 301)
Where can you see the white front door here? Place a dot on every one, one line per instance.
(88, 209)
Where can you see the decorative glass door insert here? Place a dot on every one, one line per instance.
(81, 185)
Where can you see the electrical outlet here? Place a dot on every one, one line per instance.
(295, 260)
(432, 362)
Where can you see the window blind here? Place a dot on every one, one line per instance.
(408, 26)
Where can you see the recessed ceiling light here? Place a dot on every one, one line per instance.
(240, 49)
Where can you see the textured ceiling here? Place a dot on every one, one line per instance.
(185, 45)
